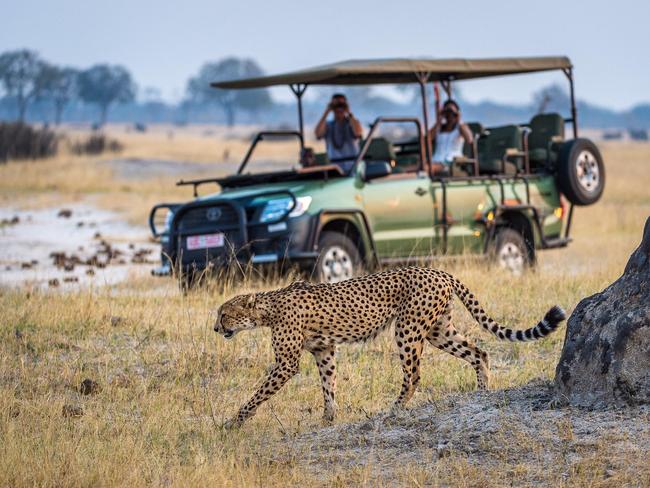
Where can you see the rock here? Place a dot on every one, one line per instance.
(65, 213)
(72, 410)
(606, 355)
(89, 387)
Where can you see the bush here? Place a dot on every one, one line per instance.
(96, 144)
(22, 141)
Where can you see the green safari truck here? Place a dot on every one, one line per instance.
(510, 195)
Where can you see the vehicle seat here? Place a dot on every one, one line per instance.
(380, 149)
(321, 159)
(500, 150)
(545, 131)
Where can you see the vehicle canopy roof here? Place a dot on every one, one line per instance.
(401, 70)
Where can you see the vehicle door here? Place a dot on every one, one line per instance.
(465, 201)
(400, 214)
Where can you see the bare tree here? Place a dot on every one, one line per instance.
(104, 85)
(200, 91)
(21, 76)
(551, 98)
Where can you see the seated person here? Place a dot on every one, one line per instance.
(341, 134)
(307, 157)
(449, 134)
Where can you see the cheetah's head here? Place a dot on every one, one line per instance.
(237, 314)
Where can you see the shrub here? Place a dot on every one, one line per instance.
(96, 144)
(22, 141)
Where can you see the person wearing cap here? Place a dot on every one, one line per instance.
(341, 134)
(449, 134)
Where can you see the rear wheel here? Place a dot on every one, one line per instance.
(338, 258)
(509, 251)
(581, 172)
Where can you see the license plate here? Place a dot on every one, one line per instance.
(205, 241)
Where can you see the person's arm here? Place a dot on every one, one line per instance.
(321, 127)
(466, 133)
(357, 128)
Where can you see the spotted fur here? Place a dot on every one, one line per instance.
(319, 317)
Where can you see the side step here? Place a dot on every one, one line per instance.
(556, 242)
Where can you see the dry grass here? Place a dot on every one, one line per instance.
(167, 383)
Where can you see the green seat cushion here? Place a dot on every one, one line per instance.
(380, 149)
(321, 159)
(543, 128)
(492, 148)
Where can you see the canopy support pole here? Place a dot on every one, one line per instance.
(446, 85)
(422, 80)
(298, 90)
(574, 112)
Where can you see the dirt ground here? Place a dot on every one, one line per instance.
(516, 426)
(71, 245)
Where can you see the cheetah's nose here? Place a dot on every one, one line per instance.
(217, 322)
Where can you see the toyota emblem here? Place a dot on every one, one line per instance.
(213, 214)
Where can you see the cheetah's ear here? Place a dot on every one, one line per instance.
(250, 301)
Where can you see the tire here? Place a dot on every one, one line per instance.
(338, 258)
(509, 251)
(581, 172)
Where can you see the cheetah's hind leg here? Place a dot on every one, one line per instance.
(445, 337)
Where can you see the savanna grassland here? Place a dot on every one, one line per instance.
(165, 383)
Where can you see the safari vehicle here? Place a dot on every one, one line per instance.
(512, 194)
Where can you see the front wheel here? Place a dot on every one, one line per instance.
(338, 258)
(509, 251)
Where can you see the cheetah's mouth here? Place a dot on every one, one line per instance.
(228, 334)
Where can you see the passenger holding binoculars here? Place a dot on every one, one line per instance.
(341, 134)
(449, 134)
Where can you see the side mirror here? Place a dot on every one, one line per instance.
(376, 169)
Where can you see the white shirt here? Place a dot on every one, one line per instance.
(449, 145)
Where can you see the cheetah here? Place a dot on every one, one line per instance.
(319, 317)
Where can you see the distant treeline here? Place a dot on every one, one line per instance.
(35, 90)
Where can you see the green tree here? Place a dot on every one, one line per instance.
(200, 91)
(60, 85)
(21, 76)
(104, 85)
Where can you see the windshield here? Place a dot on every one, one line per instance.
(272, 151)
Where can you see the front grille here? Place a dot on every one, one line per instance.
(215, 216)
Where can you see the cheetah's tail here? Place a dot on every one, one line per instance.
(544, 327)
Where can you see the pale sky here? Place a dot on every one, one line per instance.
(163, 43)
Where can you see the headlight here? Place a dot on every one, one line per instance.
(275, 209)
(302, 204)
(168, 220)
(168, 225)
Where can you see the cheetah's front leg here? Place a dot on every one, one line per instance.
(275, 379)
(287, 346)
(326, 362)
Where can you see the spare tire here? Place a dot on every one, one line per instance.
(581, 172)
